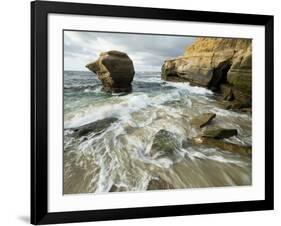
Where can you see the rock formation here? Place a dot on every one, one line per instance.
(202, 120)
(94, 127)
(224, 145)
(164, 144)
(219, 133)
(220, 64)
(115, 70)
(159, 184)
(116, 188)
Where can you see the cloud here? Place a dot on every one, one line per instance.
(148, 52)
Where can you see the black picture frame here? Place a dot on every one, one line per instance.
(39, 112)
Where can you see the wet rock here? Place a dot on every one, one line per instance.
(219, 133)
(115, 70)
(233, 105)
(164, 144)
(94, 127)
(226, 91)
(186, 143)
(244, 99)
(235, 148)
(115, 188)
(159, 184)
(237, 99)
(246, 110)
(202, 120)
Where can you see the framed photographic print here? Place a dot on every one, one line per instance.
(145, 112)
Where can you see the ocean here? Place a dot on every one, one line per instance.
(115, 156)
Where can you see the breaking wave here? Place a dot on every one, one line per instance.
(117, 157)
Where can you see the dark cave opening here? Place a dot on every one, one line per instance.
(219, 75)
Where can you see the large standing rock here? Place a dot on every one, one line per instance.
(115, 70)
(210, 62)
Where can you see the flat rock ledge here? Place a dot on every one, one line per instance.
(226, 146)
(202, 120)
(219, 133)
(214, 137)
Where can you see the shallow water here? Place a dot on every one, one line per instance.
(118, 154)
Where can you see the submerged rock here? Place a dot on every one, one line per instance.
(164, 144)
(115, 69)
(246, 110)
(94, 127)
(219, 133)
(159, 184)
(235, 148)
(202, 120)
(115, 188)
(211, 62)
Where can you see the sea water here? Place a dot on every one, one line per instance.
(118, 154)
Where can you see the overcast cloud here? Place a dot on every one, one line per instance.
(148, 52)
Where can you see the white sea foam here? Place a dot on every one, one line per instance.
(212, 155)
(122, 109)
(189, 88)
(147, 79)
(121, 151)
(91, 90)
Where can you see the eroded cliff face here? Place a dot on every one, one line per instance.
(220, 64)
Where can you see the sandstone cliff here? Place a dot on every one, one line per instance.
(220, 64)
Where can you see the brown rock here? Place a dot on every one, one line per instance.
(219, 133)
(202, 120)
(242, 97)
(235, 148)
(115, 188)
(226, 91)
(164, 144)
(247, 110)
(210, 62)
(159, 184)
(115, 70)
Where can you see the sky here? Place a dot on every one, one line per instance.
(147, 52)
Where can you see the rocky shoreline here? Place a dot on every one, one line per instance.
(128, 126)
(220, 64)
